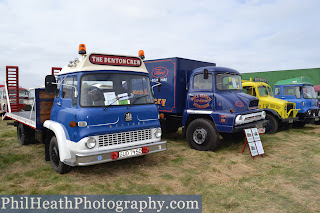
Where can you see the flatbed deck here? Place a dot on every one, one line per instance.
(26, 117)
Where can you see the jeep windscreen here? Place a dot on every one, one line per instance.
(265, 91)
(308, 92)
(114, 89)
(226, 81)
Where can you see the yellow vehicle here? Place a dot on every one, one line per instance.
(280, 113)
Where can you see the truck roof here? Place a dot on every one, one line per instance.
(217, 69)
(293, 81)
(103, 61)
(253, 83)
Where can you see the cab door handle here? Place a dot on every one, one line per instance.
(58, 103)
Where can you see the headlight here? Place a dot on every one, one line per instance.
(157, 132)
(264, 114)
(91, 143)
(239, 120)
(309, 112)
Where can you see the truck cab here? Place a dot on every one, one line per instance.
(97, 109)
(218, 98)
(300, 91)
(279, 112)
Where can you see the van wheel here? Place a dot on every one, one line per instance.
(22, 134)
(202, 135)
(56, 164)
(272, 125)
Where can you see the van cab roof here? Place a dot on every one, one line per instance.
(103, 61)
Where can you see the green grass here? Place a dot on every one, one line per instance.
(287, 179)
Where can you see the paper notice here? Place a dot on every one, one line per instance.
(123, 99)
(259, 147)
(249, 135)
(253, 149)
(255, 133)
(110, 98)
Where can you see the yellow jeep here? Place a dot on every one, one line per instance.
(279, 112)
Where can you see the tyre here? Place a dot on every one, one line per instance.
(56, 164)
(239, 136)
(23, 136)
(272, 125)
(202, 135)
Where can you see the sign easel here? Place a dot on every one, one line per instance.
(254, 142)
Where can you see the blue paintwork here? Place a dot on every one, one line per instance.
(144, 116)
(308, 103)
(179, 93)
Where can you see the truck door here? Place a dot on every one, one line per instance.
(200, 96)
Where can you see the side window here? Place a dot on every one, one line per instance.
(200, 83)
(67, 87)
(277, 91)
(249, 91)
(58, 88)
(74, 88)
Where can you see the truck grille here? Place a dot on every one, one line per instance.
(124, 137)
(290, 107)
(254, 104)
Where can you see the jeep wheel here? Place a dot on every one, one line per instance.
(202, 135)
(272, 125)
(56, 164)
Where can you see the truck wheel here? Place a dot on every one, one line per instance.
(239, 136)
(22, 134)
(56, 164)
(202, 135)
(272, 125)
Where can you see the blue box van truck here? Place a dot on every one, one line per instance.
(204, 100)
(300, 91)
(100, 109)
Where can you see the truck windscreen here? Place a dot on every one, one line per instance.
(114, 89)
(228, 82)
(308, 92)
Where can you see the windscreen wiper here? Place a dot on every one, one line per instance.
(135, 100)
(111, 103)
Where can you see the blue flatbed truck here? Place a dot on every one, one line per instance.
(98, 108)
(300, 91)
(204, 100)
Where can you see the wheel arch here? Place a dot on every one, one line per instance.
(57, 129)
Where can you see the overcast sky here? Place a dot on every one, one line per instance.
(247, 35)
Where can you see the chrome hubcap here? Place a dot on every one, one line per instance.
(199, 135)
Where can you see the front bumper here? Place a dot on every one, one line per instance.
(257, 124)
(105, 156)
(289, 120)
(309, 119)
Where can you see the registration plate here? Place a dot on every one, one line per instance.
(290, 121)
(129, 153)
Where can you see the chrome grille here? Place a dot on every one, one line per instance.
(124, 137)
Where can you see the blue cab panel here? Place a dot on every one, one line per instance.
(174, 74)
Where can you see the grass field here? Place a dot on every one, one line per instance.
(287, 179)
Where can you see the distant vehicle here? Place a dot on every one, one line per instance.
(23, 99)
(300, 91)
(279, 112)
(205, 100)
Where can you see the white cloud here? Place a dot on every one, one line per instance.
(244, 35)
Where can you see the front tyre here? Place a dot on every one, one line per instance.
(202, 135)
(56, 164)
(272, 125)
